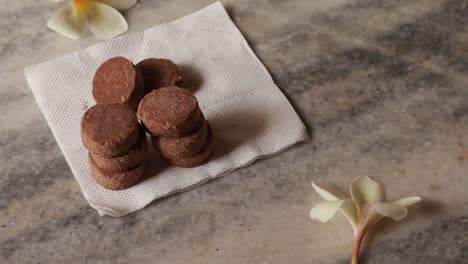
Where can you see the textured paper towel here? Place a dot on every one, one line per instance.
(250, 116)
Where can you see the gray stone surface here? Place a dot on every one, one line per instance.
(381, 85)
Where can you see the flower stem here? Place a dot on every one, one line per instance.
(357, 246)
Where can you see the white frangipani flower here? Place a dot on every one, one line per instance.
(100, 16)
(335, 201)
(364, 209)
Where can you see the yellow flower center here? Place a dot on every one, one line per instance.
(80, 3)
(83, 6)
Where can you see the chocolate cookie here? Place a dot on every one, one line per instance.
(158, 73)
(116, 180)
(127, 161)
(118, 81)
(170, 112)
(183, 147)
(109, 130)
(200, 158)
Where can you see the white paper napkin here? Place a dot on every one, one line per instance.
(249, 115)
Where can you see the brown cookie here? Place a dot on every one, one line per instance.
(158, 73)
(127, 161)
(170, 112)
(116, 180)
(118, 81)
(200, 158)
(183, 147)
(109, 130)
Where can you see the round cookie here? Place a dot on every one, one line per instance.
(170, 112)
(127, 161)
(183, 147)
(117, 80)
(158, 73)
(109, 130)
(200, 158)
(116, 180)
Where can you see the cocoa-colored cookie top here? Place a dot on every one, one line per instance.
(116, 81)
(168, 107)
(159, 73)
(111, 126)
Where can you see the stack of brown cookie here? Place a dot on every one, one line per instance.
(113, 136)
(178, 128)
(116, 143)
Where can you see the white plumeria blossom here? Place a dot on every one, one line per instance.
(366, 206)
(100, 16)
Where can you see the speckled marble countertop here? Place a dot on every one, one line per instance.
(381, 85)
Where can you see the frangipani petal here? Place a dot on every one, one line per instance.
(364, 190)
(119, 4)
(105, 21)
(408, 201)
(68, 21)
(326, 210)
(329, 194)
(348, 208)
(396, 212)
